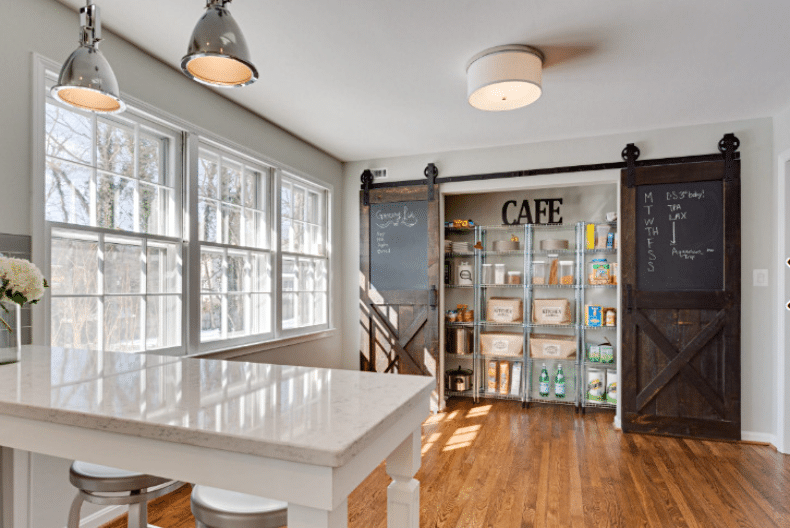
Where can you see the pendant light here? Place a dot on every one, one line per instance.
(86, 80)
(504, 77)
(217, 53)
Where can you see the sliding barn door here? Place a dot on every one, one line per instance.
(399, 278)
(681, 267)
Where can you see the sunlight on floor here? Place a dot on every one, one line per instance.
(482, 410)
(429, 443)
(462, 437)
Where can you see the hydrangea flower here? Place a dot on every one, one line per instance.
(21, 282)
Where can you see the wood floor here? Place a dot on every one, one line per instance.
(494, 464)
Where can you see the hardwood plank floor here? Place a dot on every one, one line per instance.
(496, 465)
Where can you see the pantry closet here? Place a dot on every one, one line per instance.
(530, 295)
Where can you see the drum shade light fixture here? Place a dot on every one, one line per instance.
(504, 77)
(218, 54)
(86, 80)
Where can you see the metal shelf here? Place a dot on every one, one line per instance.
(459, 254)
(460, 286)
(521, 260)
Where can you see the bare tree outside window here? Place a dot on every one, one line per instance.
(107, 176)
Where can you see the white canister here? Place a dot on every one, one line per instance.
(464, 274)
(499, 273)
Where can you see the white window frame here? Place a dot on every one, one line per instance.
(190, 139)
(46, 76)
(325, 218)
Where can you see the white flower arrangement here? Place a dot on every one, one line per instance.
(21, 282)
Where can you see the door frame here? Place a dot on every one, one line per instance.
(526, 183)
(783, 295)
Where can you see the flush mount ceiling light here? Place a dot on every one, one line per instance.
(86, 79)
(504, 77)
(217, 53)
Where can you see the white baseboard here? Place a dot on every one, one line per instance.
(102, 516)
(751, 436)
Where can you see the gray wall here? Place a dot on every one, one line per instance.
(759, 214)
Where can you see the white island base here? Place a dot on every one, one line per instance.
(301, 435)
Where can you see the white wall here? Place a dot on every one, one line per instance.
(758, 220)
(779, 274)
(50, 29)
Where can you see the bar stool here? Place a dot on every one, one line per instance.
(106, 486)
(218, 508)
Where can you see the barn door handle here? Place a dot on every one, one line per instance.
(630, 298)
(433, 297)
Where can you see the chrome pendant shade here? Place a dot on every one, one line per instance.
(218, 54)
(86, 80)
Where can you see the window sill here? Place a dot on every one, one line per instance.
(245, 350)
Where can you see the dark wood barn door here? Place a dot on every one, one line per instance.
(681, 269)
(399, 279)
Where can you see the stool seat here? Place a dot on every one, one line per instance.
(97, 478)
(108, 486)
(219, 508)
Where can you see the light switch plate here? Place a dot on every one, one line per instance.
(761, 277)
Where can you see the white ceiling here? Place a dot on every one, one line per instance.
(366, 79)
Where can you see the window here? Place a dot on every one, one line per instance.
(114, 211)
(235, 262)
(115, 252)
(303, 230)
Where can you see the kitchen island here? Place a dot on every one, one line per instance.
(306, 436)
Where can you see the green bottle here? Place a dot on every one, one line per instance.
(543, 382)
(559, 383)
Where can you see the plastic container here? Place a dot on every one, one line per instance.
(488, 274)
(566, 272)
(514, 277)
(598, 272)
(601, 235)
(538, 272)
(499, 273)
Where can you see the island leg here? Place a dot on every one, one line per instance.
(304, 517)
(403, 495)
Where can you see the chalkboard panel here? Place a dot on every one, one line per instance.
(680, 237)
(399, 246)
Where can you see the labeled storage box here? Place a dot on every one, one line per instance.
(509, 344)
(504, 310)
(551, 311)
(550, 346)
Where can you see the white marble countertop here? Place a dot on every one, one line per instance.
(301, 414)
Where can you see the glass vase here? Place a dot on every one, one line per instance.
(13, 353)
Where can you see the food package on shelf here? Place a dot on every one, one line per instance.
(504, 310)
(596, 385)
(509, 344)
(515, 379)
(593, 315)
(611, 387)
(551, 311)
(492, 376)
(550, 346)
(504, 377)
